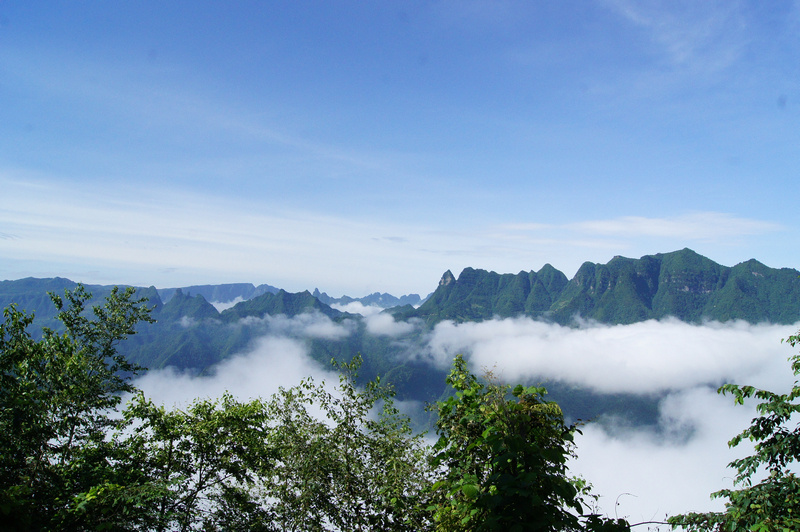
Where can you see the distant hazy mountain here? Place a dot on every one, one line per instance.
(682, 284)
(222, 293)
(377, 299)
(31, 295)
(283, 303)
(226, 293)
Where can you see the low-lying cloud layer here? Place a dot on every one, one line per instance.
(646, 357)
(225, 305)
(645, 475)
(272, 363)
(378, 323)
(640, 473)
(307, 325)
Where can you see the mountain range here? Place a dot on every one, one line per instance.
(191, 334)
(681, 284)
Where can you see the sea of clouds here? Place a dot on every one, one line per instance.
(642, 473)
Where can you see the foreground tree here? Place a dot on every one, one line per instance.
(772, 503)
(503, 461)
(190, 469)
(57, 400)
(346, 459)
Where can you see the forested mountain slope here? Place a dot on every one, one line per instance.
(682, 284)
(190, 334)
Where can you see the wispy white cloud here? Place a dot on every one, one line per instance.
(309, 325)
(526, 227)
(704, 37)
(191, 233)
(302, 326)
(171, 237)
(377, 323)
(694, 226)
(386, 325)
(356, 307)
(689, 226)
(225, 305)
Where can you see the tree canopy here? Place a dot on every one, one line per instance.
(57, 400)
(311, 457)
(504, 455)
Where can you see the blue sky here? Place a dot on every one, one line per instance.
(370, 146)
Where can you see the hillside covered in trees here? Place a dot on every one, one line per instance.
(682, 284)
(191, 334)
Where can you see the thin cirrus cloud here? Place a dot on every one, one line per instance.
(135, 236)
(185, 231)
(718, 233)
(693, 226)
(690, 226)
(701, 36)
(147, 99)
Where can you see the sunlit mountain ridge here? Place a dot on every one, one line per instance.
(192, 335)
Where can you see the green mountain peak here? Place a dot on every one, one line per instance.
(682, 283)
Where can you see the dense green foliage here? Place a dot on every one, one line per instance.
(771, 503)
(182, 469)
(72, 461)
(338, 468)
(306, 459)
(57, 396)
(504, 460)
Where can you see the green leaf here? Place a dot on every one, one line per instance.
(471, 491)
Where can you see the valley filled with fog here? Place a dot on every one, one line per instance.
(641, 472)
